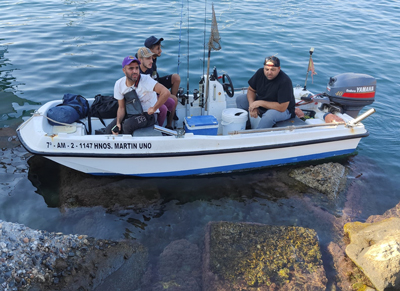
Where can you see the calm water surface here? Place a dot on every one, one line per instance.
(48, 48)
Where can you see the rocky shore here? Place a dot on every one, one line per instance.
(38, 260)
(235, 256)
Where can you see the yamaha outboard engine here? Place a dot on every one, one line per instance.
(351, 91)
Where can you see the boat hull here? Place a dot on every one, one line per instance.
(200, 164)
(163, 156)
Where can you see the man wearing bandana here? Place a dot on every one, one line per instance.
(270, 95)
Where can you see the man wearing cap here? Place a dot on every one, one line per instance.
(170, 81)
(145, 57)
(270, 95)
(133, 87)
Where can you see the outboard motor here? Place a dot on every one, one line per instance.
(351, 91)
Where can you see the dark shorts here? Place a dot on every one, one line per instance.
(130, 124)
(166, 81)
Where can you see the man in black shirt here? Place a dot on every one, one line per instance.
(270, 95)
(170, 81)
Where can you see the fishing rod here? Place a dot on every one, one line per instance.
(187, 78)
(180, 34)
(205, 24)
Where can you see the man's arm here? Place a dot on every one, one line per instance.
(281, 107)
(251, 97)
(163, 95)
(120, 114)
(254, 104)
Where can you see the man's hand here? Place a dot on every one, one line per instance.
(332, 118)
(254, 105)
(119, 129)
(151, 110)
(253, 109)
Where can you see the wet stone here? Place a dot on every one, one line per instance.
(328, 178)
(244, 256)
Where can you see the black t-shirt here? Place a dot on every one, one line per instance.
(152, 72)
(280, 89)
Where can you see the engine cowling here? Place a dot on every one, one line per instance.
(351, 91)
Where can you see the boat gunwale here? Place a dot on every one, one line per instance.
(193, 153)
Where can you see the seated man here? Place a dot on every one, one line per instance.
(145, 57)
(270, 95)
(129, 118)
(170, 81)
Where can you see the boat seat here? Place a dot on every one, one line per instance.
(290, 122)
(64, 128)
(72, 129)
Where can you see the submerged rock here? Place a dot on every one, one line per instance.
(77, 189)
(328, 178)
(375, 249)
(178, 269)
(40, 260)
(349, 276)
(245, 256)
(393, 212)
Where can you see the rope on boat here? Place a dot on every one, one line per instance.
(26, 121)
(34, 114)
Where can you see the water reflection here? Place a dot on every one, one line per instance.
(6, 79)
(74, 17)
(13, 108)
(157, 212)
(181, 207)
(45, 176)
(78, 189)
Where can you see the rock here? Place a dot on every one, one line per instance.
(393, 212)
(79, 189)
(250, 256)
(127, 271)
(109, 192)
(375, 249)
(50, 265)
(328, 178)
(349, 276)
(178, 268)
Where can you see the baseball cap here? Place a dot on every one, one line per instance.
(144, 52)
(272, 61)
(128, 60)
(152, 40)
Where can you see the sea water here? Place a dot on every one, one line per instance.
(49, 48)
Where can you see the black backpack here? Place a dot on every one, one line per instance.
(104, 107)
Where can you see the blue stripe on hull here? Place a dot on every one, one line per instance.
(231, 168)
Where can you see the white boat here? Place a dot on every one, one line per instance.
(217, 142)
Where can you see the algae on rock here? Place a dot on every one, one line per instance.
(274, 257)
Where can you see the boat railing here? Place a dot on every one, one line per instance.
(351, 123)
(289, 128)
(177, 133)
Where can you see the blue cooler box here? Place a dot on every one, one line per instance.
(201, 125)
